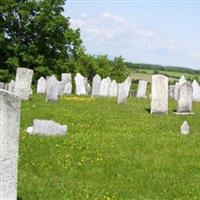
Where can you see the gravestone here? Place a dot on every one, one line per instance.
(23, 83)
(185, 128)
(196, 91)
(171, 91)
(122, 93)
(127, 83)
(68, 88)
(66, 78)
(80, 84)
(142, 87)
(159, 94)
(88, 89)
(96, 85)
(9, 144)
(61, 87)
(41, 86)
(184, 102)
(11, 86)
(176, 88)
(52, 89)
(182, 80)
(2, 85)
(105, 87)
(113, 89)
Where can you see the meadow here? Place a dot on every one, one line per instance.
(111, 151)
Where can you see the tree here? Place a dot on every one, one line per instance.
(35, 34)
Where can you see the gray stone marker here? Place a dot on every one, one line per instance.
(47, 127)
(159, 94)
(185, 128)
(105, 86)
(96, 85)
(196, 91)
(113, 89)
(128, 85)
(41, 85)
(142, 87)
(1, 85)
(80, 84)
(66, 78)
(176, 88)
(11, 86)
(52, 89)
(122, 93)
(184, 102)
(6, 86)
(23, 83)
(68, 88)
(171, 91)
(61, 87)
(9, 142)
(182, 80)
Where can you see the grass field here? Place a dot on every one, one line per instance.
(111, 152)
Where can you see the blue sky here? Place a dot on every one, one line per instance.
(157, 32)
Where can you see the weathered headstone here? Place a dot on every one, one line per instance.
(176, 88)
(9, 142)
(23, 83)
(182, 80)
(96, 85)
(184, 102)
(68, 88)
(196, 90)
(113, 89)
(185, 128)
(159, 94)
(52, 89)
(41, 85)
(80, 84)
(61, 87)
(2, 85)
(11, 86)
(171, 91)
(142, 87)
(128, 85)
(122, 93)
(105, 86)
(66, 78)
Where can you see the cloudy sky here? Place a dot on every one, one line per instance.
(157, 32)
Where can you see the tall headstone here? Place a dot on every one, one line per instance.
(41, 85)
(105, 87)
(9, 142)
(122, 93)
(11, 86)
(171, 91)
(52, 89)
(23, 83)
(80, 84)
(184, 102)
(196, 91)
(68, 88)
(113, 89)
(96, 85)
(142, 87)
(159, 94)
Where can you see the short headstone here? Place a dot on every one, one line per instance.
(9, 144)
(23, 83)
(105, 86)
(11, 86)
(47, 127)
(122, 93)
(142, 87)
(171, 91)
(159, 94)
(96, 85)
(80, 84)
(2, 85)
(196, 91)
(68, 88)
(113, 89)
(184, 102)
(41, 86)
(185, 128)
(66, 78)
(52, 89)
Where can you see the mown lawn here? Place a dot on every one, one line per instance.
(111, 152)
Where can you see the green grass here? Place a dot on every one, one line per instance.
(111, 152)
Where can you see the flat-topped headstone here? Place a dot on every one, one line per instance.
(159, 94)
(184, 102)
(142, 87)
(41, 85)
(66, 78)
(122, 93)
(96, 85)
(68, 88)
(23, 83)
(105, 86)
(9, 143)
(52, 89)
(113, 89)
(196, 91)
(171, 91)
(80, 84)
(2, 85)
(185, 128)
(11, 86)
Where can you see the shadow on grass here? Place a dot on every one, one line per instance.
(19, 198)
(148, 110)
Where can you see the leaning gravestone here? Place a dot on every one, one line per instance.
(122, 93)
(113, 89)
(159, 94)
(196, 91)
(142, 87)
(105, 87)
(9, 142)
(80, 84)
(127, 83)
(52, 89)
(11, 86)
(41, 85)
(1, 85)
(96, 85)
(68, 88)
(23, 83)
(184, 102)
